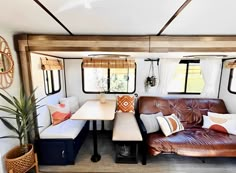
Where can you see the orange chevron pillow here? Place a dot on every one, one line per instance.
(125, 103)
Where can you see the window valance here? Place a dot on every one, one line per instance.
(51, 64)
(108, 63)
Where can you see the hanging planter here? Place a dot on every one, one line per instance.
(151, 79)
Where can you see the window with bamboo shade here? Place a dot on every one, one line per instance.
(52, 75)
(231, 64)
(108, 75)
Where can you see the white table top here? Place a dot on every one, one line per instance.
(95, 110)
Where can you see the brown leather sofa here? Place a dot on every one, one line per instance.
(194, 140)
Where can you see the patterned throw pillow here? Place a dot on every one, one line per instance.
(220, 124)
(150, 121)
(59, 113)
(170, 124)
(125, 104)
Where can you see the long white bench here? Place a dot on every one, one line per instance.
(126, 135)
(59, 144)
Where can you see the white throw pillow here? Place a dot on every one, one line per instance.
(72, 102)
(170, 124)
(150, 122)
(218, 115)
(220, 123)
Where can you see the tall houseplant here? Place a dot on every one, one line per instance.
(23, 111)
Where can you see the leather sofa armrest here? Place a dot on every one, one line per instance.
(141, 125)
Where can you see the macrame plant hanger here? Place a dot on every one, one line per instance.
(151, 79)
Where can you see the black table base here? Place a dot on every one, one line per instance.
(95, 157)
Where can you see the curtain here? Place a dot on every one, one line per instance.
(108, 63)
(167, 70)
(211, 69)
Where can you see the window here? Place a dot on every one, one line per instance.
(187, 79)
(232, 81)
(108, 80)
(52, 81)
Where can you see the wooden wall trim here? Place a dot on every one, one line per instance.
(193, 44)
(25, 62)
(88, 43)
(154, 44)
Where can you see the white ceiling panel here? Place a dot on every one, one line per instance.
(205, 17)
(113, 17)
(25, 16)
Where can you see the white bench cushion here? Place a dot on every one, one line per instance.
(126, 127)
(66, 129)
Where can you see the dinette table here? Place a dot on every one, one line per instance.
(95, 110)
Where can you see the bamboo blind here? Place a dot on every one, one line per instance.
(51, 64)
(230, 64)
(108, 63)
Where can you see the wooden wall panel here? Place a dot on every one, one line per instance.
(192, 43)
(159, 44)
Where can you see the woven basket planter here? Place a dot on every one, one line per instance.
(19, 163)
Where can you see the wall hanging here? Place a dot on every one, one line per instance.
(6, 65)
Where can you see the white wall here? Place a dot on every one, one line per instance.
(229, 98)
(37, 79)
(7, 144)
(74, 82)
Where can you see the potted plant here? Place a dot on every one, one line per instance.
(22, 110)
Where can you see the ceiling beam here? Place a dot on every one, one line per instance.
(174, 16)
(152, 44)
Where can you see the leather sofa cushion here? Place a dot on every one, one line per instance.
(193, 141)
(188, 110)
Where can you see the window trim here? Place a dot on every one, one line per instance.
(230, 81)
(108, 83)
(187, 62)
(52, 82)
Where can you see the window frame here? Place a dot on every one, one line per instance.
(46, 84)
(108, 83)
(187, 62)
(230, 81)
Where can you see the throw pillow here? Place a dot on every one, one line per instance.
(59, 113)
(170, 124)
(150, 121)
(221, 124)
(125, 103)
(218, 115)
(72, 102)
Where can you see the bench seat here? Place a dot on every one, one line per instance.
(66, 129)
(126, 127)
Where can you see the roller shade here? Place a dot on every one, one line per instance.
(51, 64)
(230, 64)
(108, 63)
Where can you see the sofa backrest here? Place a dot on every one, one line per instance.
(188, 110)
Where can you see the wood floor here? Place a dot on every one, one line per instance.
(160, 164)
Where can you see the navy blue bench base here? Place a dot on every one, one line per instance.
(60, 151)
